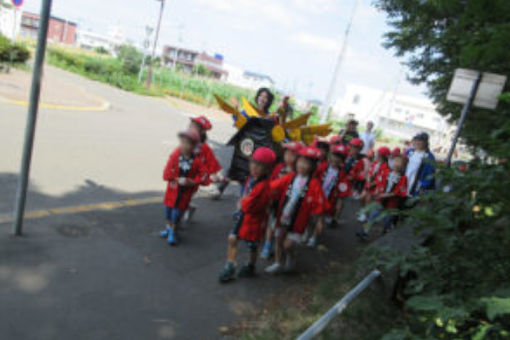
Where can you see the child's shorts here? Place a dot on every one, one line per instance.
(253, 246)
(173, 214)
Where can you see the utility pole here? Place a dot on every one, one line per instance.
(149, 71)
(332, 87)
(146, 45)
(28, 144)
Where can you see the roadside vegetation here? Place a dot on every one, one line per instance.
(123, 70)
(456, 283)
(15, 53)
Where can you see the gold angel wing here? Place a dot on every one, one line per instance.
(249, 109)
(298, 122)
(225, 106)
(240, 119)
(318, 130)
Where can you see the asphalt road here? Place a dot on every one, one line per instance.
(107, 274)
(82, 156)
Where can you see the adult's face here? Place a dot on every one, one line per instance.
(262, 101)
(420, 145)
(370, 126)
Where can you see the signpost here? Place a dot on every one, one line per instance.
(470, 87)
(17, 3)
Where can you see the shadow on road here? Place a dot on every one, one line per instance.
(108, 275)
(87, 192)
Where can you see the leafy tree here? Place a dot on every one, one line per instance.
(456, 284)
(130, 57)
(438, 36)
(201, 70)
(101, 50)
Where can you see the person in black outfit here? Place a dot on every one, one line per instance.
(350, 132)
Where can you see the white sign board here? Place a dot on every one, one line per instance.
(489, 90)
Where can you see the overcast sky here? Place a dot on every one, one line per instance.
(296, 42)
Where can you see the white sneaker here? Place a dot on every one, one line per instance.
(312, 242)
(290, 264)
(275, 268)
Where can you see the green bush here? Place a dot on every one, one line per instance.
(9, 52)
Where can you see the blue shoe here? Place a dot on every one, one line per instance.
(172, 238)
(164, 233)
(266, 251)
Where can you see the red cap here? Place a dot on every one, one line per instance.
(294, 146)
(340, 150)
(335, 140)
(383, 151)
(264, 155)
(191, 135)
(204, 123)
(396, 152)
(310, 152)
(356, 142)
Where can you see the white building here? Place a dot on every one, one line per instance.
(10, 20)
(90, 40)
(247, 79)
(396, 115)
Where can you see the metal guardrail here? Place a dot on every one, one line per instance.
(320, 324)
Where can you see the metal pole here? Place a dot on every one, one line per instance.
(149, 70)
(463, 115)
(332, 86)
(320, 324)
(35, 91)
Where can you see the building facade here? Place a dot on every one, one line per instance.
(10, 19)
(59, 30)
(214, 64)
(92, 40)
(396, 115)
(181, 58)
(247, 79)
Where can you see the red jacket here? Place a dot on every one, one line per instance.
(399, 190)
(342, 189)
(321, 168)
(376, 176)
(255, 208)
(313, 203)
(209, 160)
(278, 171)
(177, 196)
(357, 172)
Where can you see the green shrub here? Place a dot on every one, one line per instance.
(9, 52)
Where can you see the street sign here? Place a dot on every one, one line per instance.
(489, 90)
(17, 3)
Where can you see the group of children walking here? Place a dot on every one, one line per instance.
(282, 202)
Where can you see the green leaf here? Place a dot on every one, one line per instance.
(481, 332)
(425, 303)
(496, 306)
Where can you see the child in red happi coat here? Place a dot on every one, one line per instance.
(203, 150)
(355, 165)
(184, 172)
(288, 165)
(378, 169)
(212, 167)
(252, 214)
(395, 152)
(390, 192)
(300, 198)
(336, 187)
(323, 147)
